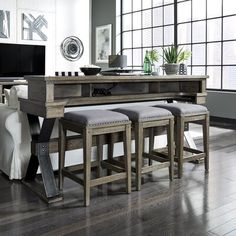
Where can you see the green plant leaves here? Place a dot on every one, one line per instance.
(153, 55)
(174, 55)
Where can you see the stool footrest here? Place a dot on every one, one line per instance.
(72, 176)
(80, 166)
(196, 151)
(194, 157)
(108, 179)
(154, 167)
(112, 166)
(160, 157)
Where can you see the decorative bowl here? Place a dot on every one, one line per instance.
(90, 70)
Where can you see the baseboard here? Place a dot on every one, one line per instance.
(223, 122)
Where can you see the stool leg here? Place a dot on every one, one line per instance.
(206, 141)
(110, 150)
(61, 159)
(180, 144)
(99, 154)
(151, 143)
(170, 137)
(127, 154)
(138, 153)
(87, 145)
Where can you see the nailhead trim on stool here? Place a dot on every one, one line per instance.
(143, 117)
(90, 123)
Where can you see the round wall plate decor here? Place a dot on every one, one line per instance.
(72, 48)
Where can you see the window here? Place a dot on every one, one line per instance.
(203, 26)
(145, 25)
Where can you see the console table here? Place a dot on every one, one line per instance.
(48, 96)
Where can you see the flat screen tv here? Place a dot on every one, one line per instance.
(17, 60)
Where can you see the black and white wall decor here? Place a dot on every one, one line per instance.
(103, 43)
(72, 48)
(4, 24)
(34, 27)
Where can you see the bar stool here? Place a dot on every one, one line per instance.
(91, 123)
(187, 113)
(144, 117)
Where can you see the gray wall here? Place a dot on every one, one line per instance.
(222, 104)
(103, 13)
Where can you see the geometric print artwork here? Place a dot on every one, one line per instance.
(34, 28)
(4, 24)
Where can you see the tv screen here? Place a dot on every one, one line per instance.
(17, 60)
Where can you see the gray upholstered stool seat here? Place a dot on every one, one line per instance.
(186, 113)
(92, 118)
(144, 117)
(183, 109)
(144, 113)
(90, 123)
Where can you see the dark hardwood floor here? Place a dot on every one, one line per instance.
(198, 204)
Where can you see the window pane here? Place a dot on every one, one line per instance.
(188, 48)
(127, 23)
(229, 28)
(214, 54)
(229, 75)
(213, 8)
(157, 3)
(198, 70)
(214, 81)
(168, 35)
(147, 18)
(199, 9)
(199, 31)
(184, 7)
(184, 33)
(127, 40)
(169, 14)
(127, 6)
(157, 16)
(158, 36)
(229, 53)
(137, 38)
(147, 38)
(137, 57)
(198, 54)
(168, 1)
(229, 7)
(147, 4)
(214, 30)
(128, 53)
(137, 5)
(137, 20)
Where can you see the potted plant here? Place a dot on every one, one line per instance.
(173, 56)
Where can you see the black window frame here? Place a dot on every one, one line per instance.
(175, 36)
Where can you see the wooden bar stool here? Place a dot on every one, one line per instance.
(144, 117)
(90, 123)
(187, 113)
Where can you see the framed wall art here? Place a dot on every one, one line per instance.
(34, 27)
(103, 43)
(4, 24)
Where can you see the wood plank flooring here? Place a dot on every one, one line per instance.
(198, 204)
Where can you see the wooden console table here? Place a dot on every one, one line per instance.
(48, 96)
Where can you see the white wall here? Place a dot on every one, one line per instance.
(65, 18)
